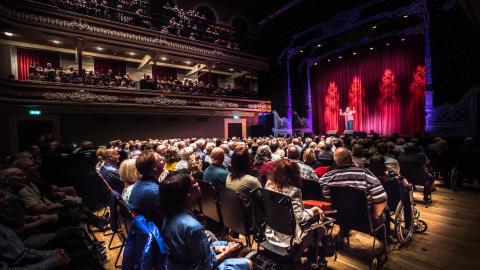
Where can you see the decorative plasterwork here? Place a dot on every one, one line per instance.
(79, 96)
(260, 106)
(218, 104)
(161, 100)
(157, 41)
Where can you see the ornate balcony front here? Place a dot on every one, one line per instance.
(61, 97)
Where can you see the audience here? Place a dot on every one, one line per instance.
(145, 192)
(129, 176)
(306, 172)
(216, 174)
(109, 171)
(187, 244)
(239, 178)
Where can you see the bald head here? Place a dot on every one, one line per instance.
(217, 156)
(111, 156)
(293, 153)
(342, 157)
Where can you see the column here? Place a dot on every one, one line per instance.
(428, 71)
(79, 45)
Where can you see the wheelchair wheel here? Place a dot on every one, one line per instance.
(403, 234)
(420, 226)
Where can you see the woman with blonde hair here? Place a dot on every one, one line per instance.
(129, 175)
(100, 157)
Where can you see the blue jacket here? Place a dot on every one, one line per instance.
(144, 248)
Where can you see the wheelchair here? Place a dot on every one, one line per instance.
(279, 216)
(403, 231)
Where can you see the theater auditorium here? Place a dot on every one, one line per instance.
(239, 135)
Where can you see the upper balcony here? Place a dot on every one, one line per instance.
(195, 37)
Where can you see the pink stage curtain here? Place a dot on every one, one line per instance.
(102, 65)
(26, 57)
(386, 86)
(164, 73)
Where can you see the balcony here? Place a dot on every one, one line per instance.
(66, 98)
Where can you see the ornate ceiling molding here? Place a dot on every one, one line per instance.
(161, 100)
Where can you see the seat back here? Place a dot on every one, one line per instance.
(353, 211)
(413, 172)
(125, 216)
(209, 201)
(234, 214)
(311, 190)
(392, 188)
(279, 212)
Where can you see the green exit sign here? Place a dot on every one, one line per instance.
(34, 112)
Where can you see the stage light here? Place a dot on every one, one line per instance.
(354, 53)
(213, 66)
(371, 48)
(99, 49)
(402, 40)
(131, 53)
(188, 62)
(163, 58)
(231, 69)
(387, 44)
(319, 45)
(374, 27)
(8, 34)
(173, 62)
(340, 57)
(301, 51)
(405, 16)
(329, 60)
(56, 42)
(315, 64)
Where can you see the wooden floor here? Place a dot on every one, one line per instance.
(452, 240)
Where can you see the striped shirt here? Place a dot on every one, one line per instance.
(14, 254)
(355, 177)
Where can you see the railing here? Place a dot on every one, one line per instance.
(72, 95)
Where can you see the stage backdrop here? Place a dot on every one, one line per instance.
(386, 86)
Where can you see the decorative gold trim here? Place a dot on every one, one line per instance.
(79, 96)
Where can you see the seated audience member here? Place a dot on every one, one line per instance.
(262, 164)
(216, 174)
(195, 165)
(310, 158)
(100, 158)
(358, 158)
(49, 73)
(109, 170)
(390, 162)
(306, 172)
(413, 166)
(286, 180)
(386, 177)
(185, 155)
(348, 175)
(187, 244)
(239, 178)
(129, 176)
(326, 153)
(145, 192)
(227, 161)
(200, 148)
(208, 151)
(172, 158)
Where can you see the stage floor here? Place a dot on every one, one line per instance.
(451, 242)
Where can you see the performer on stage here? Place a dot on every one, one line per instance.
(348, 117)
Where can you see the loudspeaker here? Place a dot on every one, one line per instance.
(333, 132)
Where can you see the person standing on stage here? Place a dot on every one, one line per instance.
(348, 117)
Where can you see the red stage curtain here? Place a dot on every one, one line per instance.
(386, 86)
(26, 57)
(164, 73)
(208, 78)
(102, 65)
